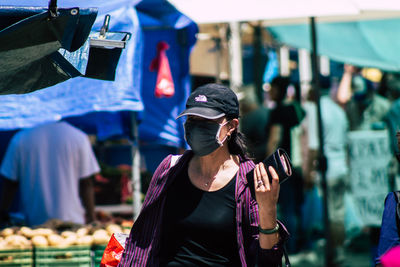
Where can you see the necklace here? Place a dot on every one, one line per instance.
(224, 166)
(209, 182)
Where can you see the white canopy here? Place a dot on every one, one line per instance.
(217, 11)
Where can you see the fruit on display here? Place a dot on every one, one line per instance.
(40, 241)
(43, 232)
(68, 234)
(86, 240)
(101, 237)
(56, 240)
(7, 232)
(82, 231)
(26, 231)
(15, 242)
(56, 233)
(113, 228)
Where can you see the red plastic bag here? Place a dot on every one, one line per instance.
(164, 85)
(113, 253)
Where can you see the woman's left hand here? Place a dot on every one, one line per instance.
(267, 193)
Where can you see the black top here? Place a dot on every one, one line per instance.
(288, 116)
(199, 227)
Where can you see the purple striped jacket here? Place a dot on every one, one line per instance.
(142, 247)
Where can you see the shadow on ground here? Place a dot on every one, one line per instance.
(356, 254)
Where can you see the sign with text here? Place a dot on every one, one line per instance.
(369, 156)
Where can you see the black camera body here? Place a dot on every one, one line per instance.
(280, 161)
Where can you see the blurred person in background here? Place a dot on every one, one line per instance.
(389, 86)
(390, 232)
(253, 121)
(335, 127)
(389, 239)
(366, 110)
(284, 117)
(53, 166)
(391, 83)
(199, 210)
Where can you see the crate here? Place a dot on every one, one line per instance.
(77, 256)
(98, 251)
(16, 258)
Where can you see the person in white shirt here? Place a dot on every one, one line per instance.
(53, 165)
(335, 127)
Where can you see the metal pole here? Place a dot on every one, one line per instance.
(257, 63)
(235, 57)
(218, 54)
(136, 183)
(322, 162)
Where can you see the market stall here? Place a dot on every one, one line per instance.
(110, 109)
(57, 243)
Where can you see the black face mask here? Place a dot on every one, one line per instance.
(202, 136)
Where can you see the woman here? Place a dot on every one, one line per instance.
(390, 231)
(198, 210)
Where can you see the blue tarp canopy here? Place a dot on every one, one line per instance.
(368, 43)
(96, 105)
(158, 125)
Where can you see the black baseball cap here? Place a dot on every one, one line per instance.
(212, 101)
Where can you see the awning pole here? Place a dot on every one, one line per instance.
(322, 162)
(257, 63)
(136, 181)
(235, 57)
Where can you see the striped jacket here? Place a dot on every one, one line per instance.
(143, 245)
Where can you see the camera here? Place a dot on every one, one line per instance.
(280, 161)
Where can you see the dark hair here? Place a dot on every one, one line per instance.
(325, 82)
(282, 83)
(237, 144)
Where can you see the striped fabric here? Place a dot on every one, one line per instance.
(142, 246)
